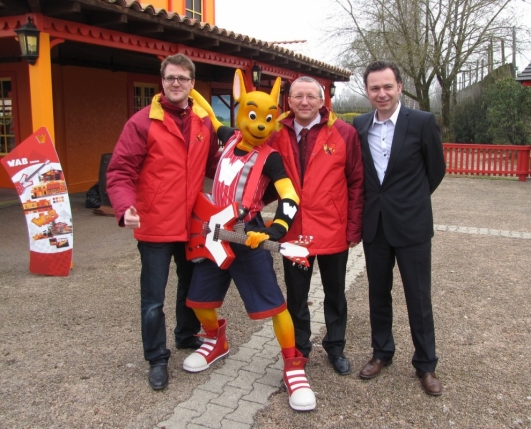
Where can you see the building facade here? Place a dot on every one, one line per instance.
(98, 63)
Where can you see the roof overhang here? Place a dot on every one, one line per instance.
(155, 32)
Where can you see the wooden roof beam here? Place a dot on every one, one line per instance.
(60, 9)
(35, 6)
(109, 21)
(148, 29)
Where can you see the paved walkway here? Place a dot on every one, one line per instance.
(241, 386)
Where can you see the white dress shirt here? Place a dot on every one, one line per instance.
(298, 127)
(380, 138)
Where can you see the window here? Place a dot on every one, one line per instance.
(7, 126)
(194, 9)
(143, 94)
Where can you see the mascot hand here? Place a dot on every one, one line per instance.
(275, 232)
(255, 238)
(201, 102)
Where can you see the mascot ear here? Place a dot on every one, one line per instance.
(275, 91)
(238, 87)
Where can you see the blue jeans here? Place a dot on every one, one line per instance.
(156, 260)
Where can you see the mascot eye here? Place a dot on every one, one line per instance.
(269, 118)
(252, 115)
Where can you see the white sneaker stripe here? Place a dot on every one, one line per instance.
(295, 372)
(297, 379)
(298, 386)
(206, 347)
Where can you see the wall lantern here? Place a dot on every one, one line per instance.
(332, 89)
(28, 37)
(257, 74)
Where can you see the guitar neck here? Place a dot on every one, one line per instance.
(235, 237)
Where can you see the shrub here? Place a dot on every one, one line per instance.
(469, 122)
(508, 108)
(347, 117)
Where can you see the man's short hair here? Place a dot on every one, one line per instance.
(379, 66)
(178, 60)
(308, 79)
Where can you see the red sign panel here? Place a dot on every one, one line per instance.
(36, 172)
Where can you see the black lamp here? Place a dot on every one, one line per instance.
(257, 74)
(332, 89)
(28, 37)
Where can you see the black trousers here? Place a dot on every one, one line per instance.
(414, 264)
(333, 270)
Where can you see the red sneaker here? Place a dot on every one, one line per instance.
(301, 396)
(214, 347)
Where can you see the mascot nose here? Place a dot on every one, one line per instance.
(261, 127)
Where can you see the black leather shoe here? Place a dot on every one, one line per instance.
(158, 376)
(340, 364)
(194, 344)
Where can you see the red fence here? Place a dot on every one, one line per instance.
(488, 160)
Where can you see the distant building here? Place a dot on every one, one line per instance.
(525, 77)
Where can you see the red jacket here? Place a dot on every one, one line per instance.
(154, 169)
(331, 205)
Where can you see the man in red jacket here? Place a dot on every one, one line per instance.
(154, 177)
(322, 156)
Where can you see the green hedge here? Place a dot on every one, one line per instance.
(348, 117)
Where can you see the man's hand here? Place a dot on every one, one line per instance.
(353, 244)
(131, 218)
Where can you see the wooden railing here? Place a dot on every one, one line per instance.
(488, 160)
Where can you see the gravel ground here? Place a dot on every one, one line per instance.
(71, 355)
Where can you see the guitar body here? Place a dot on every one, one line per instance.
(205, 217)
(212, 232)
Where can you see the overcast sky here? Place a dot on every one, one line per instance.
(278, 20)
(282, 20)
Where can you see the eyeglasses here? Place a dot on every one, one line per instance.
(301, 97)
(171, 79)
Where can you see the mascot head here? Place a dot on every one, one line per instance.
(257, 111)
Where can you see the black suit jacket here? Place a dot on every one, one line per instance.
(416, 167)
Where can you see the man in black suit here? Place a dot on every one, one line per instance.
(404, 164)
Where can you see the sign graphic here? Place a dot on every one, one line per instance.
(36, 172)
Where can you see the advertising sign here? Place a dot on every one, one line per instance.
(36, 172)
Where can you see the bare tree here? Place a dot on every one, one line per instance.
(428, 39)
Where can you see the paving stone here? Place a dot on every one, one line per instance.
(261, 392)
(266, 331)
(180, 419)
(245, 354)
(231, 367)
(229, 398)
(231, 424)
(259, 364)
(216, 383)
(213, 415)
(270, 350)
(272, 377)
(199, 400)
(245, 412)
(245, 380)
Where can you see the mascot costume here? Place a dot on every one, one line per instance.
(229, 238)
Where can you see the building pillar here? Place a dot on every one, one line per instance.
(40, 78)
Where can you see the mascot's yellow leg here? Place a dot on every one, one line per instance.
(208, 318)
(285, 332)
